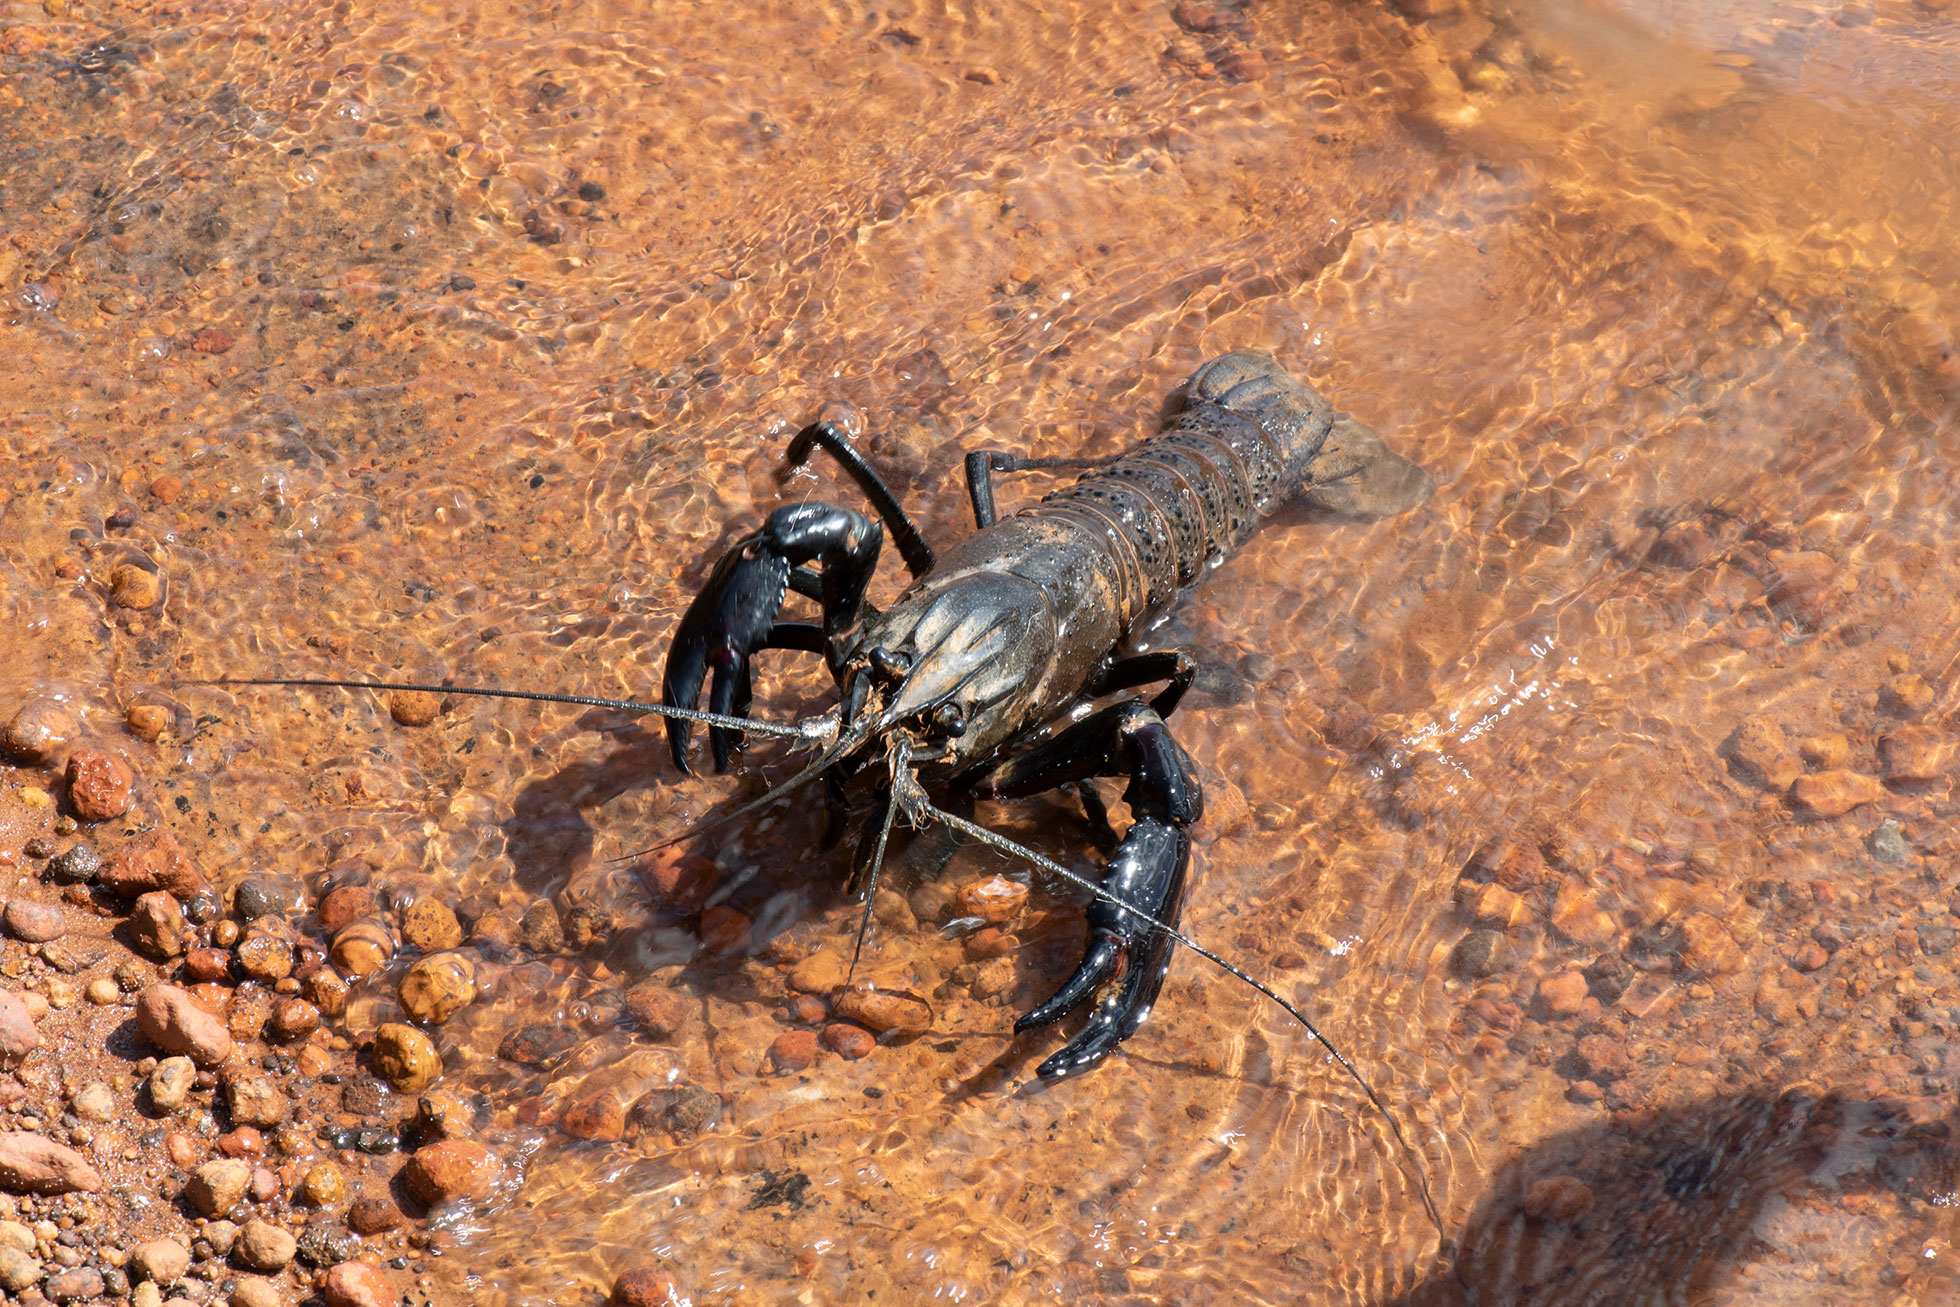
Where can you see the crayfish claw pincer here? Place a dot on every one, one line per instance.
(734, 616)
(1126, 952)
(728, 621)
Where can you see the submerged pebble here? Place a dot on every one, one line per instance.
(151, 861)
(1834, 793)
(429, 926)
(413, 707)
(794, 1050)
(1561, 1198)
(886, 1011)
(406, 1058)
(147, 721)
(39, 731)
(993, 899)
(436, 988)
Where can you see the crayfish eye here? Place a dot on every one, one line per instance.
(949, 720)
(889, 668)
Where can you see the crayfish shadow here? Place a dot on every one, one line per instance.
(1675, 1205)
(548, 831)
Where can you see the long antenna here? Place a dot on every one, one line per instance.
(842, 749)
(815, 730)
(1006, 845)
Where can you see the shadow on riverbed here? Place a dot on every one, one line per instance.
(1679, 1206)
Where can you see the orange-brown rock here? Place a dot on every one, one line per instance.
(39, 731)
(430, 926)
(1760, 752)
(175, 1022)
(885, 1011)
(1905, 695)
(1707, 947)
(658, 1009)
(848, 1041)
(1558, 1198)
(358, 1284)
(405, 1057)
(794, 1050)
(1578, 915)
(363, 948)
(1834, 793)
(1914, 754)
(147, 721)
(1809, 587)
(151, 861)
(99, 785)
(681, 881)
(453, 1169)
(413, 707)
(993, 899)
(1562, 993)
(437, 987)
(344, 906)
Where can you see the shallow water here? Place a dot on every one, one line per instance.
(466, 334)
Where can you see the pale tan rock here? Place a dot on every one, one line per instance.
(1834, 793)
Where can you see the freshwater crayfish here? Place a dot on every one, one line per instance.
(979, 681)
(957, 687)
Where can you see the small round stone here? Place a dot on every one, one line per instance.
(1561, 1198)
(99, 785)
(263, 1246)
(373, 1213)
(323, 1185)
(135, 587)
(147, 721)
(35, 923)
(95, 1101)
(848, 1041)
(160, 1261)
(357, 1284)
(217, 1187)
(363, 948)
(430, 926)
(102, 991)
(413, 707)
(325, 1242)
(19, 1272)
(794, 1050)
(453, 1169)
(644, 1286)
(344, 906)
(74, 866)
(265, 958)
(436, 988)
(405, 1057)
(39, 731)
(294, 1018)
(250, 1291)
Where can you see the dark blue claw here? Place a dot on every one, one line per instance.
(1146, 872)
(735, 613)
(727, 622)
